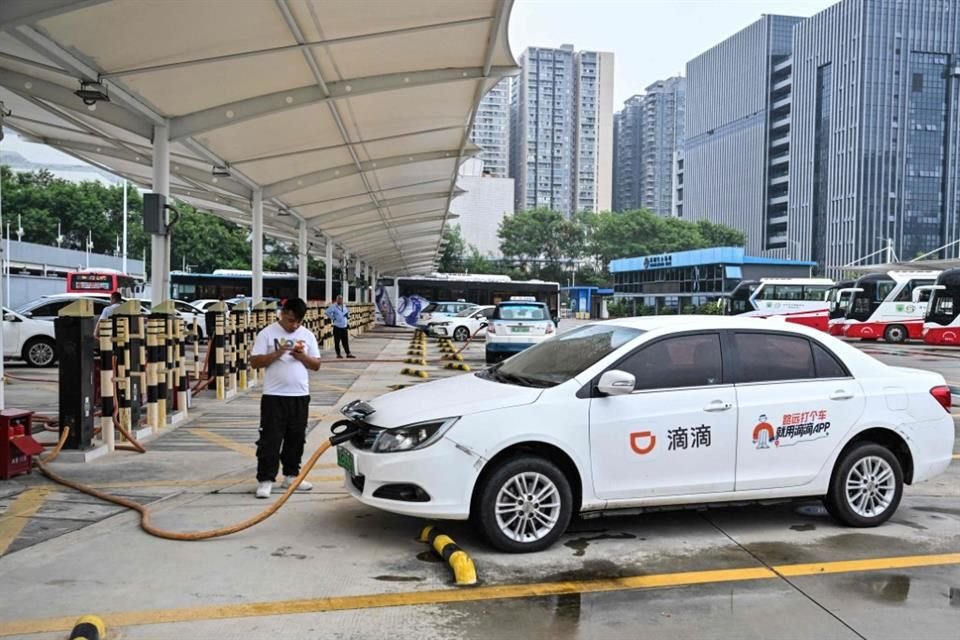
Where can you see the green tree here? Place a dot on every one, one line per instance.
(718, 235)
(543, 235)
(454, 249)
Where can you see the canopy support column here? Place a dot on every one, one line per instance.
(160, 243)
(304, 257)
(257, 255)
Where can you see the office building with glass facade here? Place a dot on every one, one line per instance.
(875, 151)
(736, 149)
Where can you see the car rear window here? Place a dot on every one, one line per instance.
(522, 312)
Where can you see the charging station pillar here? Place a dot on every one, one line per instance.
(75, 351)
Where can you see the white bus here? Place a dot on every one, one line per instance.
(889, 305)
(801, 300)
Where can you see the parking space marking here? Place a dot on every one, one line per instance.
(24, 507)
(216, 438)
(497, 592)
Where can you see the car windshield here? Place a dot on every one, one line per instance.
(522, 312)
(555, 361)
(466, 313)
(430, 308)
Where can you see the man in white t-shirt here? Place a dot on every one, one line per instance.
(288, 352)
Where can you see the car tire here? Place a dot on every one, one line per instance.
(461, 334)
(532, 525)
(866, 486)
(895, 334)
(40, 352)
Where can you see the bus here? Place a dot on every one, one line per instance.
(889, 305)
(942, 322)
(401, 299)
(104, 282)
(224, 284)
(799, 300)
(839, 300)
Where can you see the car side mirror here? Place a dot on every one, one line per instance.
(616, 383)
(27, 314)
(9, 317)
(484, 324)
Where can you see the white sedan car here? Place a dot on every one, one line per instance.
(33, 341)
(465, 325)
(647, 412)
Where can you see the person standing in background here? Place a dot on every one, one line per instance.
(339, 315)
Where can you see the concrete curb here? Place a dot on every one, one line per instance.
(460, 563)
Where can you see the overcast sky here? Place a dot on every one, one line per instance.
(650, 39)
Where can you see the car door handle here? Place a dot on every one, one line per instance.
(841, 394)
(718, 405)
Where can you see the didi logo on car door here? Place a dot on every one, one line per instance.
(642, 442)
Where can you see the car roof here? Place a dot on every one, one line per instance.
(705, 322)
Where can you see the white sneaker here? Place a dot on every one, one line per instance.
(264, 488)
(304, 486)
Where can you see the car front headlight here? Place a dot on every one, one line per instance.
(413, 436)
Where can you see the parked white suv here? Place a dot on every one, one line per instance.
(439, 311)
(465, 325)
(31, 340)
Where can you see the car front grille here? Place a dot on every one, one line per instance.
(365, 437)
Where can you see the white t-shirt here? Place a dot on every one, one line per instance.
(287, 376)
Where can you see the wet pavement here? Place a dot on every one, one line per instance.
(329, 567)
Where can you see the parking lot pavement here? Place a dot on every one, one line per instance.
(328, 567)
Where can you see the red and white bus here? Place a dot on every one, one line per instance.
(800, 300)
(839, 300)
(103, 282)
(889, 305)
(942, 323)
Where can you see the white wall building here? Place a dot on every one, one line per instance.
(486, 201)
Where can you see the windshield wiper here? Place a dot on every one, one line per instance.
(523, 381)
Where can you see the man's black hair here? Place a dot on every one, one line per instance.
(296, 306)
(116, 298)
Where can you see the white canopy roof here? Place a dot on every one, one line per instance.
(351, 115)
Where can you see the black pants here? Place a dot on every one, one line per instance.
(341, 336)
(283, 423)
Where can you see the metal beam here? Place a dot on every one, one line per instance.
(30, 87)
(333, 147)
(364, 208)
(14, 13)
(291, 47)
(343, 171)
(242, 110)
(119, 153)
(84, 68)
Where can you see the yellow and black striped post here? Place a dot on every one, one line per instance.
(180, 350)
(122, 349)
(106, 383)
(464, 571)
(164, 314)
(89, 628)
(242, 312)
(152, 383)
(196, 348)
(259, 322)
(219, 344)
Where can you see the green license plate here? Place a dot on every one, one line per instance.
(345, 459)
(521, 329)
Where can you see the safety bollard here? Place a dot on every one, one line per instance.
(122, 350)
(241, 311)
(219, 346)
(89, 628)
(154, 333)
(196, 348)
(106, 383)
(183, 384)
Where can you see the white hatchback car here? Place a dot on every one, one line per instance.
(647, 412)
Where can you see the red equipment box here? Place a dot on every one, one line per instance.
(17, 446)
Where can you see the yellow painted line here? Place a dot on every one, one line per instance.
(18, 515)
(499, 592)
(216, 438)
(329, 386)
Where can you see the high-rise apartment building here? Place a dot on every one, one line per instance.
(491, 130)
(736, 151)
(627, 150)
(875, 140)
(649, 134)
(562, 130)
